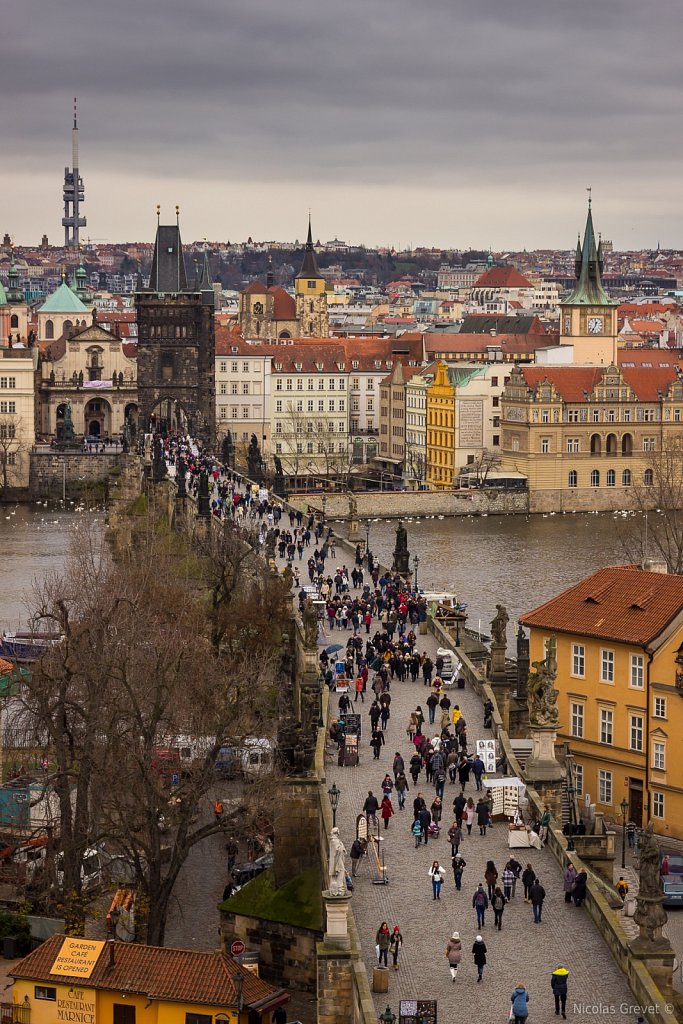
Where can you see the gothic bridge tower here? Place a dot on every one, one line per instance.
(176, 343)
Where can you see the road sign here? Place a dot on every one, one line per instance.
(175, 779)
(237, 947)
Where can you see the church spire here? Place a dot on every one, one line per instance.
(168, 263)
(309, 267)
(204, 281)
(589, 290)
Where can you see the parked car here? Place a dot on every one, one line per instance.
(248, 869)
(673, 891)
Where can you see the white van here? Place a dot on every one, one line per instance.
(91, 869)
(252, 758)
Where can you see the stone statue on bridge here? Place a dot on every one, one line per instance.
(499, 625)
(542, 695)
(401, 563)
(158, 461)
(650, 915)
(336, 865)
(310, 621)
(254, 461)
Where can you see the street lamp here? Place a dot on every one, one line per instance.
(416, 563)
(624, 810)
(387, 1017)
(570, 796)
(334, 795)
(324, 504)
(367, 536)
(239, 982)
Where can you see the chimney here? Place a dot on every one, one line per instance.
(655, 565)
(112, 953)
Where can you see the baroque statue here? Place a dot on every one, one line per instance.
(310, 621)
(254, 460)
(499, 625)
(542, 695)
(650, 915)
(401, 563)
(337, 868)
(353, 507)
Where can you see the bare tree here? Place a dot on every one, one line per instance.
(656, 530)
(158, 645)
(13, 451)
(483, 464)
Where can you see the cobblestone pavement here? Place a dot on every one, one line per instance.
(522, 952)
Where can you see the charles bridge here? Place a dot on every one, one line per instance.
(609, 966)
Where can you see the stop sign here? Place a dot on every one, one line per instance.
(237, 947)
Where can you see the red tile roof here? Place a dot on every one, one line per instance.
(620, 603)
(576, 383)
(459, 343)
(571, 382)
(284, 304)
(502, 277)
(176, 975)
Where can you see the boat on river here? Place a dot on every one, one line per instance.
(28, 645)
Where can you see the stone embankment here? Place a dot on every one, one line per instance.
(400, 504)
(52, 471)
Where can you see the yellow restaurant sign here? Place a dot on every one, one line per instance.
(77, 958)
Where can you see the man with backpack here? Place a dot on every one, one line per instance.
(480, 902)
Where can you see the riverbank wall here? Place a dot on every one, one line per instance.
(403, 504)
(53, 473)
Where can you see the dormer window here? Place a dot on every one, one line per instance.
(354, 364)
(278, 366)
(378, 364)
(298, 366)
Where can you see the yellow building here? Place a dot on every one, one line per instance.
(94, 982)
(584, 436)
(441, 430)
(620, 681)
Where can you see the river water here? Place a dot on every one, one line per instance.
(517, 561)
(513, 560)
(35, 541)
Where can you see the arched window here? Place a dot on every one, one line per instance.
(648, 478)
(626, 478)
(627, 444)
(14, 320)
(611, 478)
(572, 481)
(596, 444)
(49, 330)
(595, 478)
(611, 445)
(66, 326)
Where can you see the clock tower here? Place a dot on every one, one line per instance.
(311, 295)
(588, 317)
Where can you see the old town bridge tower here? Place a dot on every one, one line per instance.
(176, 343)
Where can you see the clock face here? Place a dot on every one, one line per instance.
(595, 325)
(258, 308)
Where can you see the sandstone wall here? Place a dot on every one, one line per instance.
(398, 504)
(80, 469)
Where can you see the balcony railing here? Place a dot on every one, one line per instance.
(15, 1013)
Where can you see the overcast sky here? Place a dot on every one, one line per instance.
(427, 122)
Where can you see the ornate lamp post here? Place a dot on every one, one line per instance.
(367, 535)
(334, 795)
(324, 504)
(570, 795)
(416, 563)
(239, 982)
(387, 1017)
(624, 812)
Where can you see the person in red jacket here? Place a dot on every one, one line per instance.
(386, 809)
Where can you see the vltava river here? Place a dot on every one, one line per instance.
(512, 560)
(34, 541)
(517, 561)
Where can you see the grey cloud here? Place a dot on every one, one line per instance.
(415, 95)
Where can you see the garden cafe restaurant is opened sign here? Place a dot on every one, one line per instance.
(77, 958)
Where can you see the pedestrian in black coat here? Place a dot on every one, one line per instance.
(479, 955)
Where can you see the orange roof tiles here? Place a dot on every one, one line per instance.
(481, 342)
(620, 603)
(577, 383)
(177, 975)
(502, 277)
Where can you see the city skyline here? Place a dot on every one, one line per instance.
(397, 126)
